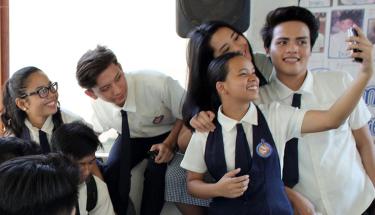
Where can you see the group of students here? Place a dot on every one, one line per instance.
(238, 161)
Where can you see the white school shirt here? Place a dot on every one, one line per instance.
(283, 121)
(153, 104)
(331, 174)
(103, 205)
(47, 127)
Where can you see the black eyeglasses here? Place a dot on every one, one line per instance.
(43, 91)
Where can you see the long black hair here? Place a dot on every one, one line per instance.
(12, 116)
(199, 55)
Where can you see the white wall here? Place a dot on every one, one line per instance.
(53, 35)
(259, 10)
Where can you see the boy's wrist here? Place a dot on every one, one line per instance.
(171, 145)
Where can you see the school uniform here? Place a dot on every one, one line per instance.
(32, 133)
(153, 104)
(103, 204)
(279, 124)
(175, 178)
(331, 173)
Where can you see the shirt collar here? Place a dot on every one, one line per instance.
(228, 124)
(47, 126)
(283, 91)
(130, 103)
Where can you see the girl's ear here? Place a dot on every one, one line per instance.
(220, 87)
(22, 104)
(91, 93)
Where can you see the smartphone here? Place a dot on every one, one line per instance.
(152, 154)
(352, 32)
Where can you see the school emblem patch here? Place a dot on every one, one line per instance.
(158, 119)
(264, 149)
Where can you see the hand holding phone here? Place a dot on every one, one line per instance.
(352, 32)
(152, 154)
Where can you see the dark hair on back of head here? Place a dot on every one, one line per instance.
(347, 14)
(38, 185)
(75, 139)
(92, 64)
(11, 147)
(286, 14)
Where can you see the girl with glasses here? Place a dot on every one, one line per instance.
(31, 107)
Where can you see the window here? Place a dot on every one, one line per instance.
(53, 35)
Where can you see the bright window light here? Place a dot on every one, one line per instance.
(53, 34)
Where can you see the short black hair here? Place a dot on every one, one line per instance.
(347, 14)
(286, 14)
(92, 64)
(38, 185)
(11, 147)
(75, 139)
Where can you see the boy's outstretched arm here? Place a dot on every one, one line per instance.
(316, 121)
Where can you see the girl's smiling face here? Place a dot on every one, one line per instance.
(33, 104)
(241, 83)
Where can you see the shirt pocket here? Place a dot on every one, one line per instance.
(157, 116)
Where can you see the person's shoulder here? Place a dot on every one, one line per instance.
(328, 73)
(330, 77)
(68, 116)
(270, 106)
(145, 74)
(147, 78)
(99, 105)
(99, 183)
(199, 138)
(275, 108)
(200, 135)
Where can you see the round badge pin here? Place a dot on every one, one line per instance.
(158, 119)
(264, 149)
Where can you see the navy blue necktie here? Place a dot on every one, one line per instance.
(44, 142)
(125, 134)
(124, 177)
(290, 170)
(242, 152)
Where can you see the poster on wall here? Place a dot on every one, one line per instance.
(355, 2)
(316, 3)
(341, 21)
(319, 43)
